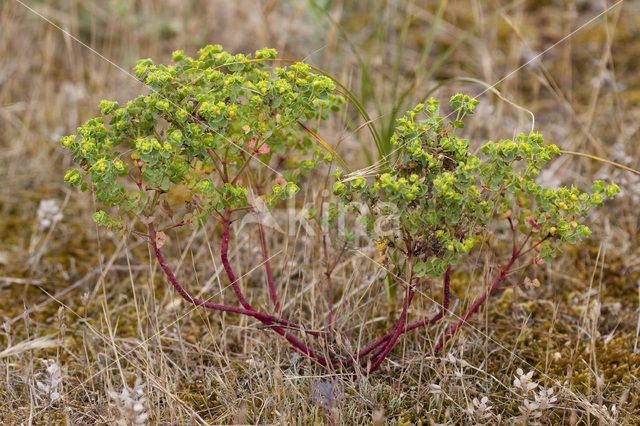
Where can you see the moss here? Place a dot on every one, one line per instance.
(14, 228)
(204, 400)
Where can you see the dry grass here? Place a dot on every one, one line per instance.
(98, 309)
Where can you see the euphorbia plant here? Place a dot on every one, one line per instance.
(216, 126)
(442, 201)
(229, 130)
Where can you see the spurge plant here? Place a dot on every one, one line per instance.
(229, 131)
(443, 201)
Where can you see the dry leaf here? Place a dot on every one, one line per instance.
(161, 239)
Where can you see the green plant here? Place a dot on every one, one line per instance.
(214, 127)
(222, 126)
(204, 123)
(442, 201)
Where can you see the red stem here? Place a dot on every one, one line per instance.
(446, 301)
(267, 266)
(409, 292)
(175, 225)
(227, 308)
(446, 290)
(476, 305)
(533, 246)
(224, 250)
(266, 319)
(381, 347)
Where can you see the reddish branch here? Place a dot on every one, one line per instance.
(267, 266)
(375, 353)
(475, 306)
(383, 345)
(446, 300)
(224, 250)
(517, 253)
(249, 311)
(409, 292)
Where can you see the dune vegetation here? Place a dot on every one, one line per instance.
(286, 212)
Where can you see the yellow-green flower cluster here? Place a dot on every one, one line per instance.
(395, 187)
(287, 191)
(193, 130)
(441, 192)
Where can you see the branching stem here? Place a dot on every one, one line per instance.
(446, 300)
(264, 318)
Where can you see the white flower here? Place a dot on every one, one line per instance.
(48, 213)
(531, 408)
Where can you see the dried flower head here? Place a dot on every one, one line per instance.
(131, 404)
(48, 213)
(51, 384)
(328, 394)
(480, 409)
(523, 381)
